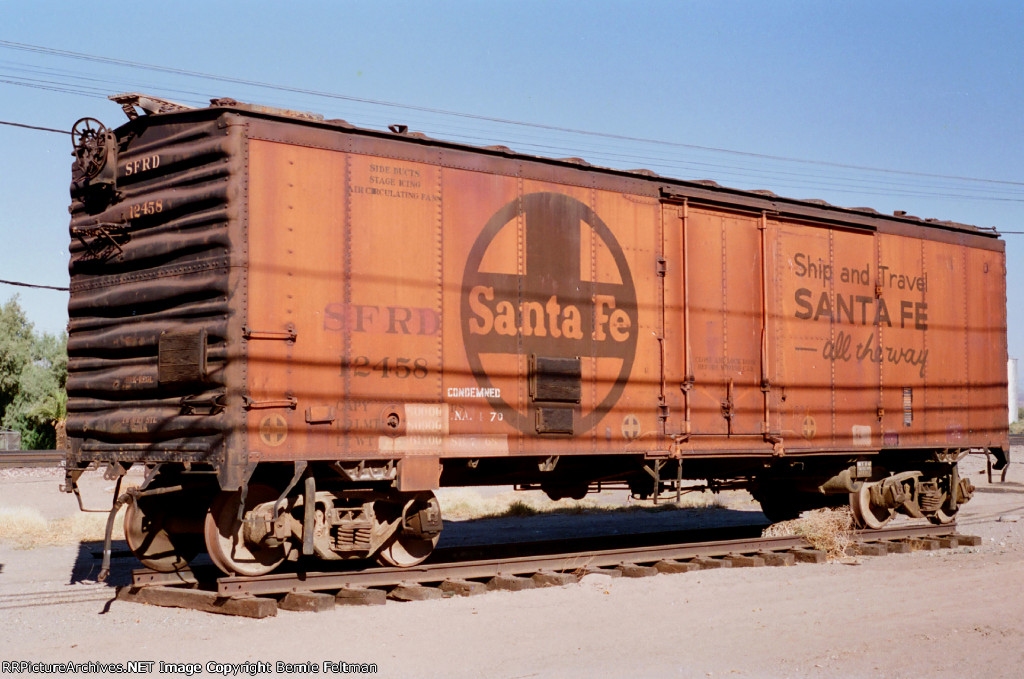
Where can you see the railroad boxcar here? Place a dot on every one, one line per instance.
(302, 329)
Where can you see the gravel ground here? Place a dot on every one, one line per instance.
(952, 613)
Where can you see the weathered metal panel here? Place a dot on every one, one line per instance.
(907, 309)
(155, 257)
(986, 353)
(875, 342)
(401, 299)
(676, 356)
(297, 261)
(725, 322)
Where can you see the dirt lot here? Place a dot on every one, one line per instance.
(953, 613)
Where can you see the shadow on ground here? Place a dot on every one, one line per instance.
(90, 558)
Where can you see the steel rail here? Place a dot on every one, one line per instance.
(235, 586)
(920, 531)
(31, 458)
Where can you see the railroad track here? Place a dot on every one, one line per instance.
(1017, 439)
(31, 458)
(57, 598)
(262, 596)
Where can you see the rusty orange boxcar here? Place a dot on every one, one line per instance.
(301, 329)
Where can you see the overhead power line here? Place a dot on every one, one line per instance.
(613, 150)
(33, 285)
(505, 121)
(33, 127)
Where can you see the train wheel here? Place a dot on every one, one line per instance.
(779, 506)
(963, 488)
(225, 537)
(866, 514)
(151, 543)
(412, 548)
(943, 517)
(782, 502)
(404, 552)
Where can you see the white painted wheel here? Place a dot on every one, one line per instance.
(943, 516)
(406, 550)
(150, 541)
(865, 514)
(225, 538)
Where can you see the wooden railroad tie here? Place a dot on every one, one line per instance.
(182, 590)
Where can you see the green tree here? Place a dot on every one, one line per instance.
(33, 374)
(15, 350)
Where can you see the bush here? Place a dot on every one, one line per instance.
(33, 374)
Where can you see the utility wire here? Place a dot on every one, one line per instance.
(504, 121)
(32, 285)
(33, 127)
(846, 185)
(796, 179)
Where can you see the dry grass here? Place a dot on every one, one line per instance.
(465, 504)
(26, 528)
(520, 509)
(829, 530)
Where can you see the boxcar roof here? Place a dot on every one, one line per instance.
(671, 189)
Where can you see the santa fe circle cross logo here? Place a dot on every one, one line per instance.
(551, 301)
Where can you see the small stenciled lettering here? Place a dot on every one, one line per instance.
(474, 392)
(145, 164)
(149, 207)
(387, 367)
(389, 320)
(393, 181)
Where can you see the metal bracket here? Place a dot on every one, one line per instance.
(654, 471)
(113, 471)
(308, 514)
(1002, 461)
(549, 464)
(107, 238)
(151, 473)
(211, 403)
(289, 334)
(729, 404)
(288, 402)
(150, 105)
(300, 469)
(362, 473)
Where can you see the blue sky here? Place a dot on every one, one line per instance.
(915, 88)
